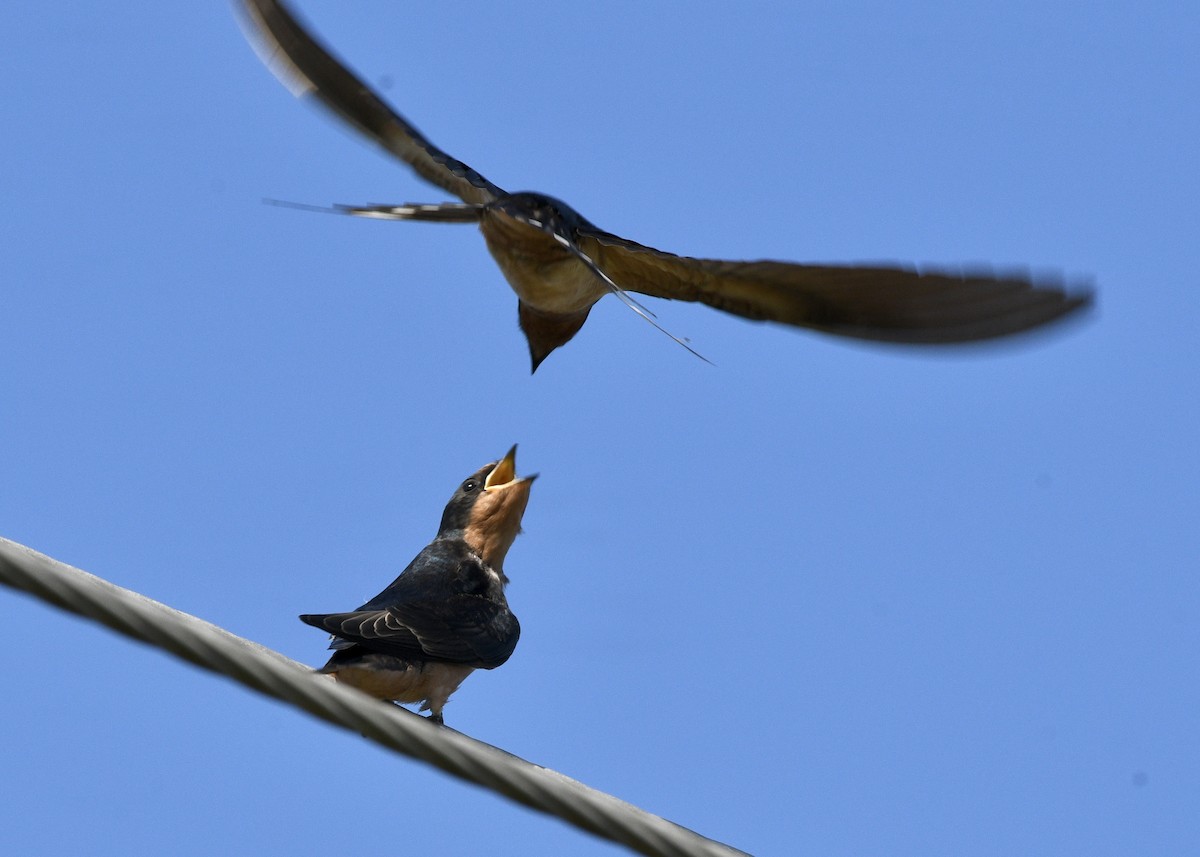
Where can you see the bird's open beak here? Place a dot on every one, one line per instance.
(505, 472)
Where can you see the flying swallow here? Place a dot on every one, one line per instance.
(560, 264)
(445, 616)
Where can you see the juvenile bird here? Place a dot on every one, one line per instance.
(445, 615)
(560, 264)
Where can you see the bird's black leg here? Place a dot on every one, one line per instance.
(436, 717)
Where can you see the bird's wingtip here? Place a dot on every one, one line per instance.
(258, 33)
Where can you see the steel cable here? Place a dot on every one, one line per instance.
(275, 675)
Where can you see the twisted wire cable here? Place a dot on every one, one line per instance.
(275, 675)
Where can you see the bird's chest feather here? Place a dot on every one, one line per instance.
(542, 272)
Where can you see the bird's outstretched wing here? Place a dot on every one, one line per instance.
(306, 67)
(887, 304)
(465, 629)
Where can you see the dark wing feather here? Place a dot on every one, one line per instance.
(445, 606)
(466, 629)
(367, 626)
(304, 66)
(878, 303)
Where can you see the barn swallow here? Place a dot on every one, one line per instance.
(560, 264)
(445, 615)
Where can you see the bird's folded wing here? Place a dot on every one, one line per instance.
(890, 304)
(305, 67)
(466, 629)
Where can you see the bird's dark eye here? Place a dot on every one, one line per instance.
(470, 485)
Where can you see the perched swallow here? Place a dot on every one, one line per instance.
(445, 615)
(560, 264)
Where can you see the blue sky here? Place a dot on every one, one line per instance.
(820, 598)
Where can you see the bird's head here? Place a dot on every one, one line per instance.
(540, 211)
(487, 508)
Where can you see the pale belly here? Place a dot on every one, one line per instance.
(552, 280)
(431, 683)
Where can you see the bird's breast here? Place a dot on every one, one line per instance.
(543, 273)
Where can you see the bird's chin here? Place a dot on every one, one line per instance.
(502, 507)
(496, 520)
